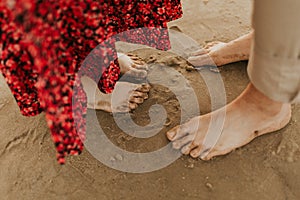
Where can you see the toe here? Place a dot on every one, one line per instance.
(137, 100)
(141, 66)
(211, 44)
(144, 88)
(215, 152)
(133, 57)
(140, 74)
(199, 52)
(176, 133)
(187, 148)
(133, 106)
(195, 153)
(140, 94)
(127, 96)
(200, 60)
(138, 62)
(178, 144)
(206, 157)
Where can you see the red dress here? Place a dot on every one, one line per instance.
(45, 43)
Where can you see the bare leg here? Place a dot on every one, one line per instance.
(223, 53)
(252, 114)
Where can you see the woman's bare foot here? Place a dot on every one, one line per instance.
(125, 97)
(132, 66)
(252, 114)
(223, 53)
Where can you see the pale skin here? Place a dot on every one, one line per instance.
(127, 95)
(250, 115)
(223, 53)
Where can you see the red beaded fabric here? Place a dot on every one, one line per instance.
(45, 43)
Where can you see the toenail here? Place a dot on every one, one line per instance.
(204, 153)
(193, 154)
(171, 134)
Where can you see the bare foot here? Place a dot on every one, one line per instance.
(132, 66)
(220, 53)
(252, 114)
(125, 97)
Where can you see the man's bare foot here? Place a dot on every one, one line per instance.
(125, 97)
(132, 66)
(252, 114)
(223, 53)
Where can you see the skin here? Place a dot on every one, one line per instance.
(263, 116)
(250, 115)
(223, 53)
(126, 96)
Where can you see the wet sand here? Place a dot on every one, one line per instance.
(267, 168)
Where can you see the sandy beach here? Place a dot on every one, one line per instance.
(267, 168)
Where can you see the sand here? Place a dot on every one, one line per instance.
(267, 168)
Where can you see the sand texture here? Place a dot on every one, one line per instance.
(267, 168)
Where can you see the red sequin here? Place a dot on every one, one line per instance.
(44, 43)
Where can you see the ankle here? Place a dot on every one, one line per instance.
(253, 96)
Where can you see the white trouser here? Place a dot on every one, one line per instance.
(274, 65)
